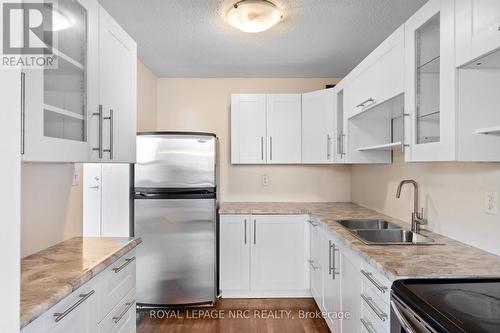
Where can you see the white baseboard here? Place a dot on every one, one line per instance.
(306, 293)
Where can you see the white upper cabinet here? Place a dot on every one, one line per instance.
(430, 86)
(248, 129)
(284, 113)
(477, 29)
(380, 76)
(56, 102)
(114, 127)
(318, 109)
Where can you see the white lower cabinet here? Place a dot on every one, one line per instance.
(264, 256)
(104, 304)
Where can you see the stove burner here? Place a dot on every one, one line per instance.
(473, 304)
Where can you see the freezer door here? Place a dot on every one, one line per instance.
(176, 261)
(175, 161)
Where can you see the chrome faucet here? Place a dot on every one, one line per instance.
(417, 219)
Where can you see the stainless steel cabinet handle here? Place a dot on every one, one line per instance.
(245, 231)
(369, 276)
(314, 267)
(362, 104)
(313, 222)
(125, 264)
(404, 145)
(262, 148)
(271, 148)
(374, 307)
(254, 232)
(332, 267)
(94, 187)
(342, 138)
(99, 145)
(111, 135)
(339, 150)
(328, 141)
(368, 325)
(23, 110)
(120, 316)
(401, 318)
(83, 297)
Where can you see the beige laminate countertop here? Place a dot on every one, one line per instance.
(450, 259)
(52, 274)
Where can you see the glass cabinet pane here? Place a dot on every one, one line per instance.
(65, 86)
(427, 49)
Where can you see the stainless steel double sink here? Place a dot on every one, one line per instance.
(381, 232)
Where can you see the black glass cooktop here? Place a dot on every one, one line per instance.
(454, 305)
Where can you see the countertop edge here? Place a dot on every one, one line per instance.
(27, 318)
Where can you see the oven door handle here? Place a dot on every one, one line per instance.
(401, 318)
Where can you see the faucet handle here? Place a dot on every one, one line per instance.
(420, 217)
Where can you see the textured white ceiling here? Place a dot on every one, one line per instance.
(317, 38)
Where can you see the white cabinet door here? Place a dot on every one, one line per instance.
(284, 112)
(331, 279)
(380, 76)
(350, 276)
(115, 142)
(92, 198)
(278, 256)
(115, 200)
(57, 102)
(477, 29)
(248, 129)
(341, 144)
(316, 263)
(318, 108)
(234, 252)
(430, 83)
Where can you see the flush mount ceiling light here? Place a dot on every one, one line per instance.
(253, 15)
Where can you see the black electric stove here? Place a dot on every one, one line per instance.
(446, 305)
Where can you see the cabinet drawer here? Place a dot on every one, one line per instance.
(122, 317)
(379, 310)
(377, 282)
(369, 322)
(116, 281)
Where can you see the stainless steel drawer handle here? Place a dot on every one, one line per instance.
(368, 325)
(369, 276)
(125, 264)
(332, 269)
(313, 223)
(254, 232)
(328, 143)
(313, 266)
(83, 297)
(245, 225)
(363, 104)
(262, 148)
(125, 310)
(374, 307)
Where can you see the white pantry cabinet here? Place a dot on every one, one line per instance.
(106, 200)
(248, 129)
(284, 115)
(477, 29)
(275, 247)
(113, 129)
(430, 88)
(380, 76)
(318, 132)
(57, 102)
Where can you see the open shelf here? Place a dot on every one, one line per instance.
(68, 59)
(63, 111)
(489, 130)
(387, 146)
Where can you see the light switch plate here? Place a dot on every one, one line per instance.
(491, 203)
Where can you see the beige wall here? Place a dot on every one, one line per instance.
(452, 195)
(186, 104)
(51, 209)
(146, 98)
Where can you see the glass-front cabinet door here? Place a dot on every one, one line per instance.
(430, 83)
(59, 99)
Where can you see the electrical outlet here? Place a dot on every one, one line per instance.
(265, 180)
(491, 203)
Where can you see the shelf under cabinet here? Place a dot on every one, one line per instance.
(489, 130)
(62, 111)
(384, 147)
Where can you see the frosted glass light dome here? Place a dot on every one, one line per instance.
(253, 15)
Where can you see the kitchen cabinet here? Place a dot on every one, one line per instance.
(235, 252)
(264, 256)
(477, 29)
(57, 102)
(284, 115)
(430, 85)
(248, 129)
(340, 152)
(106, 303)
(106, 200)
(318, 121)
(113, 128)
(380, 76)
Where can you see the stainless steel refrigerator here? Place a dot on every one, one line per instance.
(175, 198)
